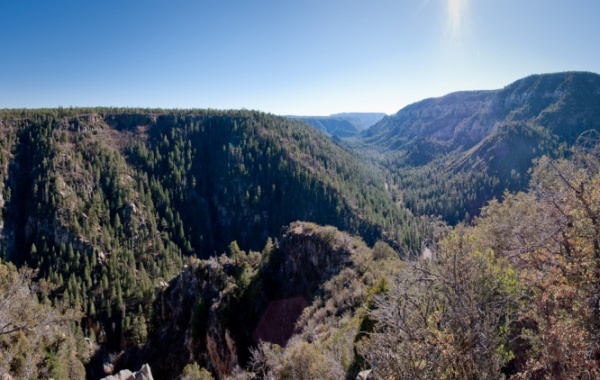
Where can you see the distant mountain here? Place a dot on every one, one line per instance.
(452, 154)
(564, 103)
(342, 124)
(366, 118)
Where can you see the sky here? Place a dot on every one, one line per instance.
(286, 57)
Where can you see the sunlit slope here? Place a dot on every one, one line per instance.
(452, 154)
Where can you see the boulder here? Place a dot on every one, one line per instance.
(365, 375)
(143, 374)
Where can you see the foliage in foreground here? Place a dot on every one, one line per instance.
(445, 317)
(513, 296)
(36, 339)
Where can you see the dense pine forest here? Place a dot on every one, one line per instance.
(459, 238)
(107, 204)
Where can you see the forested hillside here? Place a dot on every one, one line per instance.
(452, 154)
(512, 296)
(107, 204)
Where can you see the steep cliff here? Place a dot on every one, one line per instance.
(565, 103)
(309, 288)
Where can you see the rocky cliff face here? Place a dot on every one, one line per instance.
(565, 103)
(143, 374)
(216, 309)
(310, 256)
(439, 119)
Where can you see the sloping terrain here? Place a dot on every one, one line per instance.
(108, 204)
(452, 154)
(214, 312)
(512, 296)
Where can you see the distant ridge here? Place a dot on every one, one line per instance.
(477, 143)
(566, 103)
(346, 124)
(366, 118)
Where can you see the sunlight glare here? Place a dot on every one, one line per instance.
(456, 9)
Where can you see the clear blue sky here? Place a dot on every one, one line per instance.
(302, 57)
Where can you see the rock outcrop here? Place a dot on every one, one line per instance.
(467, 118)
(143, 374)
(215, 310)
